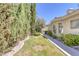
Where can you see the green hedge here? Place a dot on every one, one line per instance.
(70, 39)
(37, 34)
(49, 33)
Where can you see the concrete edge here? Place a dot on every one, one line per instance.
(60, 48)
(15, 50)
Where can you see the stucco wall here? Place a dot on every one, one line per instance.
(67, 25)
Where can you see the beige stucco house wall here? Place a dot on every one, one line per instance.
(67, 25)
(65, 22)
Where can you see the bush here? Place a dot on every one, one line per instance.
(60, 37)
(36, 34)
(54, 36)
(49, 33)
(70, 39)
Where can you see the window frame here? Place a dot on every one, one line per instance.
(71, 22)
(60, 26)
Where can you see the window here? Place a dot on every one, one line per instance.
(74, 23)
(54, 28)
(60, 27)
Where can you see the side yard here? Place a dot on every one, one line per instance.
(39, 46)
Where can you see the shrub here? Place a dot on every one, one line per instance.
(60, 37)
(70, 39)
(36, 34)
(49, 33)
(54, 36)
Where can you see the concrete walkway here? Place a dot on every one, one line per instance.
(68, 49)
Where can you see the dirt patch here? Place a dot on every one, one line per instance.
(39, 47)
(27, 53)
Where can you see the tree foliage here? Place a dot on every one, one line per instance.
(40, 23)
(15, 20)
(33, 14)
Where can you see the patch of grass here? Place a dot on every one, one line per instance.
(39, 46)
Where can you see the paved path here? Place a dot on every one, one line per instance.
(68, 49)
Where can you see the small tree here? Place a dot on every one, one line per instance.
(40, 23)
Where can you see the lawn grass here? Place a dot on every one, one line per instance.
(39, 46)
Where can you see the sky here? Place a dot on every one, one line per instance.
(50, 10)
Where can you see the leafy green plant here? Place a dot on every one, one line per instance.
(49, 33)
(36, 34)
(55, 36)
(70, 39)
